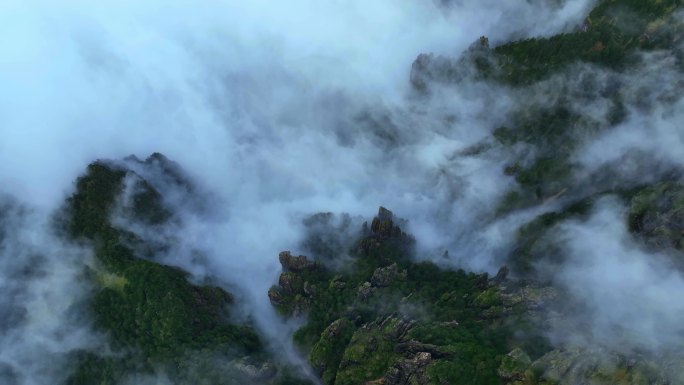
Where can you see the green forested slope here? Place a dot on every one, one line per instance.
(155, 319)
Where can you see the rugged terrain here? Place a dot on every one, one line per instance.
(369, 308)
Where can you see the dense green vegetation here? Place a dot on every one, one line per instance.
(155, 318)
(613, 37)
(475, 329)
(612, 31)
(364, 321)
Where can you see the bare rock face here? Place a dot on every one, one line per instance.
(295, 263)
(384, 276)
(420, 71)
(254, 370)
(335, 328)
(292, 296)
(430, 68)
(275, 297)
(531, 297)
(501, 276)
(410, 371)
(291, 283)
(513, 365)
(574, 365)
(416, 347)
(365, 291)
(322, 357)
(385, 227)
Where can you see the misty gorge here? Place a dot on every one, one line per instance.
(397, 192)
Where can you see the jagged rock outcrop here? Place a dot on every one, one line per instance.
(584, 366)
(254, 370)
(365, 291)
(291, 283)
(383, 226)
(371, 346)
(415, 347)
(338, 284)
(293, 294)
(428, 68)
(386, 319)
(384, 276)
(409, 371)
(324, 356)
(296, 263)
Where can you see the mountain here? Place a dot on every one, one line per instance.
(572, 273)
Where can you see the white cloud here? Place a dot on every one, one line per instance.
(280, 109)
(630, 298)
